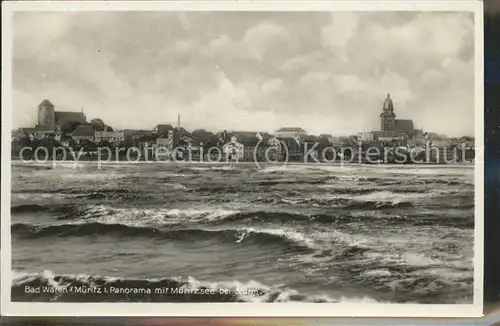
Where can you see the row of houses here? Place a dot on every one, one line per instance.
(293, 142)
(79, 134)
(245, 145)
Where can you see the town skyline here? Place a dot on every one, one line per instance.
(248, 71)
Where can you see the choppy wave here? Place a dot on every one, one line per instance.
(366, 210)
(254, 236)
(400, 233)
(100, 194)
(87, 288)
(63, 211)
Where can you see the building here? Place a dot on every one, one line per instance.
(205, 141)
(35, 133)
(83, 132)
(201, 135)
(52, 123)
(168, 141)
(253, 144)
(290, 132)
(109, 136)
(335, 141)
(162, 129)
(365, 137)
(50, 119)
(234, 150)
(136, 133)
(390, 127)
(179, 132)
(442, 143)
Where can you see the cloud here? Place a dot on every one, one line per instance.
(227, 106)
(258, 39)
(327, 72)
(302, 61)
(341, 29)
(314, 77)
(253, 45)
(271, 86)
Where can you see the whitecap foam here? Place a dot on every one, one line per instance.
(34, 196)
(377, 273)
(387, 196)
(248, 291)
(418, 259)
(292, 235)
(212, 168)
(139, 217)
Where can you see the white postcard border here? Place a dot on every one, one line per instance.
(239, 309)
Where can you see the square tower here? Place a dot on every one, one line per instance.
(46, 115)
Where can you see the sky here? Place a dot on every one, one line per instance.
(327, 72)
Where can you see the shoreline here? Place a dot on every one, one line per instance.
(242, 163)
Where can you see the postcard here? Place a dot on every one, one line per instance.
(249, 158)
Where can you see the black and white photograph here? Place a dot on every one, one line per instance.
(314, 157)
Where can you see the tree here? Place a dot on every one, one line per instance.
(69, 126)
(98, 124)
(199, 131)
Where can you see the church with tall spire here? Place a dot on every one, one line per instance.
(387, 117)
(390, 127)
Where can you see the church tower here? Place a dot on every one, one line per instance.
(387, 117)
(46, 115)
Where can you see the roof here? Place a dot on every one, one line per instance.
(249, 137)
(242, 133)
(84, 131)
(404, 126)
(33, 130)
(46, 103)
(315, 139)
(290, 129)
(211, 141)
(62, 116)
(147, 138)
(164, 127)
(183, 132)
(109, 132)
(201, 134)
(310, 138)
(131, 133)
